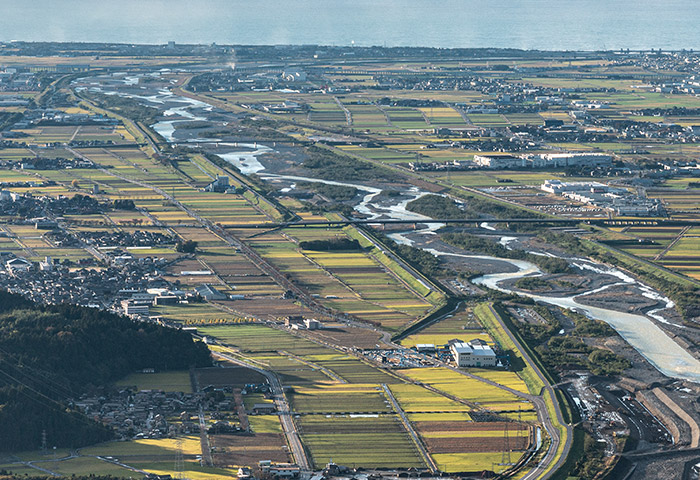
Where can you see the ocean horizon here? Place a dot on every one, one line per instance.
(522, 24)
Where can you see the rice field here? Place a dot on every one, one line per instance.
(361, 441)
(469, 389)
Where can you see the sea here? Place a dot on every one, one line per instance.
(522, 24)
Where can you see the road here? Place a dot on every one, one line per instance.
(285, 413)
(546, 466)
(409, 428)
(549, 463)
(207, 459)
(264, 266)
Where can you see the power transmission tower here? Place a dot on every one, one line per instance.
(179, 462)
(505, 455)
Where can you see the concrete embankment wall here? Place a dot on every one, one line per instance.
(649, 401)
(682, 414)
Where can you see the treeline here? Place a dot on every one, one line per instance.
(7, 119)
(561, 353)
(438, 206)
(126, 107)
(481, 245)
(126, 204)
(425, 262)
(329, 165)
(50, 353)
(333, 244)
(5, 475)
(337, 193)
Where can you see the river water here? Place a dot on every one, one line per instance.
(638, 330)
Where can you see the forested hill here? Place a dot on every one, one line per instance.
(49, 354)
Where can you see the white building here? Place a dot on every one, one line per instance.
(312, 324)
(18, 265)
(294, 76)
(131, 308)
(554, 160)
(46, 265)
(545, 160)
(499, 161)
(558, 187)
(473, 354)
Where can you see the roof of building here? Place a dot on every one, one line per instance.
(475, 349)
(206, 289)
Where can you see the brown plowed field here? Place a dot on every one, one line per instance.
(474, 444)
(234, 450)
(460, 426)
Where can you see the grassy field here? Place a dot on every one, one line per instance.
(166, 381)
(487, 318)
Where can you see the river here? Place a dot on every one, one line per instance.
(638, 330)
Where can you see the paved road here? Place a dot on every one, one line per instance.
(204, 440)
(285, 414)
(264, 266)
(409, 428)
(547, 466)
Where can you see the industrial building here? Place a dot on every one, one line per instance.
(616, 200)
(499, 161)
(221, 184)
(557, 160)
(132, 308)
(473, 354)
(208, 292)
(544, 160)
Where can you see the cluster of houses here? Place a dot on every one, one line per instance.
(16, 80)
(145, 413)
(53, 282)
(51, 116)
(57, 163)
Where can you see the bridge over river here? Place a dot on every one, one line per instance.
(452, 221)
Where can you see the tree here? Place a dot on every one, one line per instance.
(124, 205)
(188, 246)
